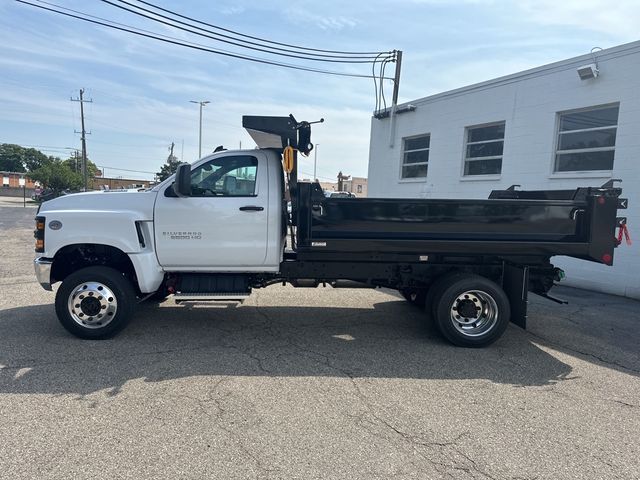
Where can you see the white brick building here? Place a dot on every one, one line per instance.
(544, 128)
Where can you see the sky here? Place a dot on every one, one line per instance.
(141, 88)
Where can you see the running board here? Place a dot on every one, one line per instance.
(203, 297)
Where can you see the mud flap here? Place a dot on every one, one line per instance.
(515, 283)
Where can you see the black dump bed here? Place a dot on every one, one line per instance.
(511, 223)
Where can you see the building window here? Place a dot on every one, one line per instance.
(483, 150)
(5, 181)
(586, 139)
(415, 157)
(359, 188)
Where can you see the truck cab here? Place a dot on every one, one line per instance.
(231, 221)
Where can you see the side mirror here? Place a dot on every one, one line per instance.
(182, 183)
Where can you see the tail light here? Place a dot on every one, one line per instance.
(39, 234)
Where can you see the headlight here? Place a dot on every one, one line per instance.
(39, 234)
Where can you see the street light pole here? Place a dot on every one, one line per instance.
(202, 104)
(315, 161)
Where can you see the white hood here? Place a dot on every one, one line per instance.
(134, 201)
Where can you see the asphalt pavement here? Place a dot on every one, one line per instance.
(312, 384)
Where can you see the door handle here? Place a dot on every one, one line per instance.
(251, 208)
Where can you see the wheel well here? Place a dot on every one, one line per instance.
(426, 278)
(74, 257)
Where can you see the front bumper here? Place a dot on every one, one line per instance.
(43, 271)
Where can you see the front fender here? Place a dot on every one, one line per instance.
(113, 228)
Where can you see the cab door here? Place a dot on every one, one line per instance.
(223, 224)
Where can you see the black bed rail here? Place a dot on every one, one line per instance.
(577, 194)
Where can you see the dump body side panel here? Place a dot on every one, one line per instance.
(507, 227)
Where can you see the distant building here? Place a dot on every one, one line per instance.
(107, 183)
(573, 123)
(331, 186)
(16, 180)
(16, 184)
(356, 185)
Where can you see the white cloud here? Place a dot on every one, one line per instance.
(233, 10)
(324, 21)
(335, 23)
(618, 18)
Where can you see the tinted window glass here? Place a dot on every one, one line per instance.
(414, 171)
(225, 177)
(416, 143)
(481, 134)
(573, 162)
(483, 167)
(492, 149)
(484, 142)
(416, 157)
(595, 139)
(601, 117)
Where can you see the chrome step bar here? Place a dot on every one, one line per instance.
(213, 296)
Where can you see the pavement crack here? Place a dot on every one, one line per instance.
(603, 360)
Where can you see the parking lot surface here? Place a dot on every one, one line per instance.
(312, 384)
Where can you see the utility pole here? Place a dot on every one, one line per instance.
(394, 102)
(315, 161)
(341, 179)
(396, 78)
(202, 103)
(83, 137)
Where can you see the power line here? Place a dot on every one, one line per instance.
(252, 37)
(351, 58)
(318, 176)
(135, 31)
(382, 70)
(375, 85)
(127, 169)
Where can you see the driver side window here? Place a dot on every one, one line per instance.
(225, 177)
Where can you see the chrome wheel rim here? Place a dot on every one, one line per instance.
(474, 313)
(92, 305)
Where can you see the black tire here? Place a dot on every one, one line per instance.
(97, 315)
(470, 310)
(417, 296)
(435, 291)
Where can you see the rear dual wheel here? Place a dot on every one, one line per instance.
(469, 310)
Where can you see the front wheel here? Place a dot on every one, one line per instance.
(95, 302)
(470, 310)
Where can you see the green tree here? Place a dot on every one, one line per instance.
(75, 164)
(169, 167)
(14, 158)
(57, 175)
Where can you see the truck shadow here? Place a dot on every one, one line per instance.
(390, 340)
